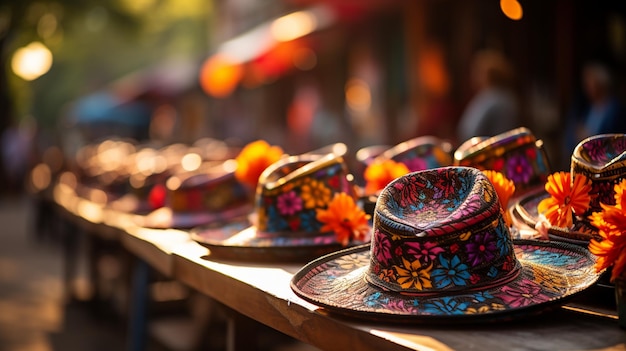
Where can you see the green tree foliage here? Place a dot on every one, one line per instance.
(93, 42)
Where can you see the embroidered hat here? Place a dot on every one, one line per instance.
(285, 225)
(602, 160)
(440, 251)
(148, 169)
(517, 154)
(421, 153)
(417, 154)
(210, 193)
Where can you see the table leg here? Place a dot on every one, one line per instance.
(138, 307)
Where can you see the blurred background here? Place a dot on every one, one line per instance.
(297, 73)
(361, 72)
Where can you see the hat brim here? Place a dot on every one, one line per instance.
(241, 241)
(524, 211)
(550, 273)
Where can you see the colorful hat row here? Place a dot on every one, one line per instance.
(437, 247)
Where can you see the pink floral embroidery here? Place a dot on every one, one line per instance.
(289, 203)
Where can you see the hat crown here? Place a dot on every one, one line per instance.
(211, 188)
(517, 154)
(292, 189)
(602, 159)
(440, 230)
(421, 153)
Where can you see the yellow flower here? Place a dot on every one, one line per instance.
(253, 159)
(315, 194)
(413, 275)
(381, 172)
(504, 188)
(345, 219)
(566, 197)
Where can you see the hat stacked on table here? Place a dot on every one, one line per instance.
(216, 190)
(441, 252)
(304, 207)
(562, 209)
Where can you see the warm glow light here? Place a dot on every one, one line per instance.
(230, 165)
(173, 183)
(137, 180)
(68, 179)
(358, 95)
(31, 61)
(305, 59)
(432, 70)
(220, 75)
(512, 9)
(89, 210)
(191, 162)
(293, 26)
(41, 176)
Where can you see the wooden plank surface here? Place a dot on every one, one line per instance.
(263, 293)
(154, 246)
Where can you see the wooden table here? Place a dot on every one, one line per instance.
(262, 293)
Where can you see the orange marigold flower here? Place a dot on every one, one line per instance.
(614, 218)
(620, 198)
(253, 159)
(596, 219)
(566, 197)
(381, 172)
(611, 224)
(611, 251)
(345, 219)
(504, 188)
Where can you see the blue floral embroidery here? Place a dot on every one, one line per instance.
(482, 296)
(493, 272)
(445, 305)
(501, 239)
(452, 272)
(275, 222)
(309, 222)
(376, 300)
(394, 207)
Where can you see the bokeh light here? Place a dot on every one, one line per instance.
(293, 26)
(358, 95)
(512, 9)
(220, 75)
(32, 61)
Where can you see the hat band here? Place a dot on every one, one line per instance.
(213, 196)
(611, 172)
(478, 287)
(474, 258)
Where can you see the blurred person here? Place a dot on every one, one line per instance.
(16, 143)
(494, 108)
(599, 111)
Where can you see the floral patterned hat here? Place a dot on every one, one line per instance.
(440, 251)
(562, 210)
(190, 199)
(417, 154)
(304, 208)
(220, 189)
(517, 154)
